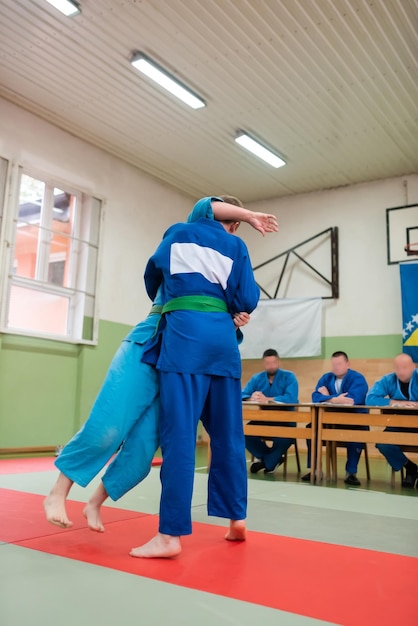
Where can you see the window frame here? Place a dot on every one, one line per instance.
(85, 201)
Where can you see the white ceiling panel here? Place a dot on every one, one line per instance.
(332, 85)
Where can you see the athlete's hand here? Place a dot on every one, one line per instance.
(406, 403)
(240, 319)
(258, 396)
(342, 399)
(263, 222)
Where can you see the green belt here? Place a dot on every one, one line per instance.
(156, 309)
(196, 303)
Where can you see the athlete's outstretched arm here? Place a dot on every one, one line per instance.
(263, 222)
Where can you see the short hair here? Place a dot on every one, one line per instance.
(340, 353)
(232, 200)
(270, 352)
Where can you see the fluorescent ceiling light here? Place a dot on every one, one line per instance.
(151, 69)
(256, 148)
(68, 7)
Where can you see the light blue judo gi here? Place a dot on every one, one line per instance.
(382, 392)
(125, 413)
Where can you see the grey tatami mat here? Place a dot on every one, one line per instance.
(41, 589)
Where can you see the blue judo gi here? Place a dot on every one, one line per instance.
(381, 393)
(125, 413)
(355, 386)
(284, 388)
(196, 353)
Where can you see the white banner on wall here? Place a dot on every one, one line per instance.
(292, 326)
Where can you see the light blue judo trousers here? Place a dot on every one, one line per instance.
(199, 363)
(381, 393)
(125, 413)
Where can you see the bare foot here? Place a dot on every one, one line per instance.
(93, 507)
(55, 511)
(92, 515)
(159, 547)
(237, 530)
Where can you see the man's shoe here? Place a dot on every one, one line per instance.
(270, 471)
(256, 467)
(352, 480)
(307, 477)
(410, 480)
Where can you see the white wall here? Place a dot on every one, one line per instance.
(138, 207)
(369, 302)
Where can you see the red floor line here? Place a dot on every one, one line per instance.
(27, 465)
(22, 516)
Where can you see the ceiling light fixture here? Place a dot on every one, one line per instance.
(254, 146)
(68, 7)
(154, 71)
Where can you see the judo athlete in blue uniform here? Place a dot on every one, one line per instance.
(274, 384)
(125, 413)
(342, 386)
(398, 389)
(206, 276)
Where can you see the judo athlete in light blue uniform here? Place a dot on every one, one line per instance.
(206, 276)
(400, 388)
(125, 413)
(281, 386)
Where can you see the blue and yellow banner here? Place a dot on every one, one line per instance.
(409, 290)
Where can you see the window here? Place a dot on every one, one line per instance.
(3, 177)
(52, 260)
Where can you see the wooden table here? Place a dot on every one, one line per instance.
(272, 412)
(345, 416)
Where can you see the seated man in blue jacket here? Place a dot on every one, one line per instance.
(276, 385)
(342, 386)
(399, 389)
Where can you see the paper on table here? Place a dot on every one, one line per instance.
(335, 404)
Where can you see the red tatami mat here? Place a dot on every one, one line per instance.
(22, 516)
(39, 464)
(349, 586)
(27, 465)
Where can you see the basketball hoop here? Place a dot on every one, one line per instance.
(411, 249)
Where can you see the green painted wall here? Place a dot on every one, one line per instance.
(368, 347)
(47, 388)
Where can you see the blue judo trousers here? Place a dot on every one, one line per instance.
(191, 397)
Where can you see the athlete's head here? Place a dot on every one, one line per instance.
(232, 200)
(231, 226)
(404, 367)
(271, 361)
(340, 363)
